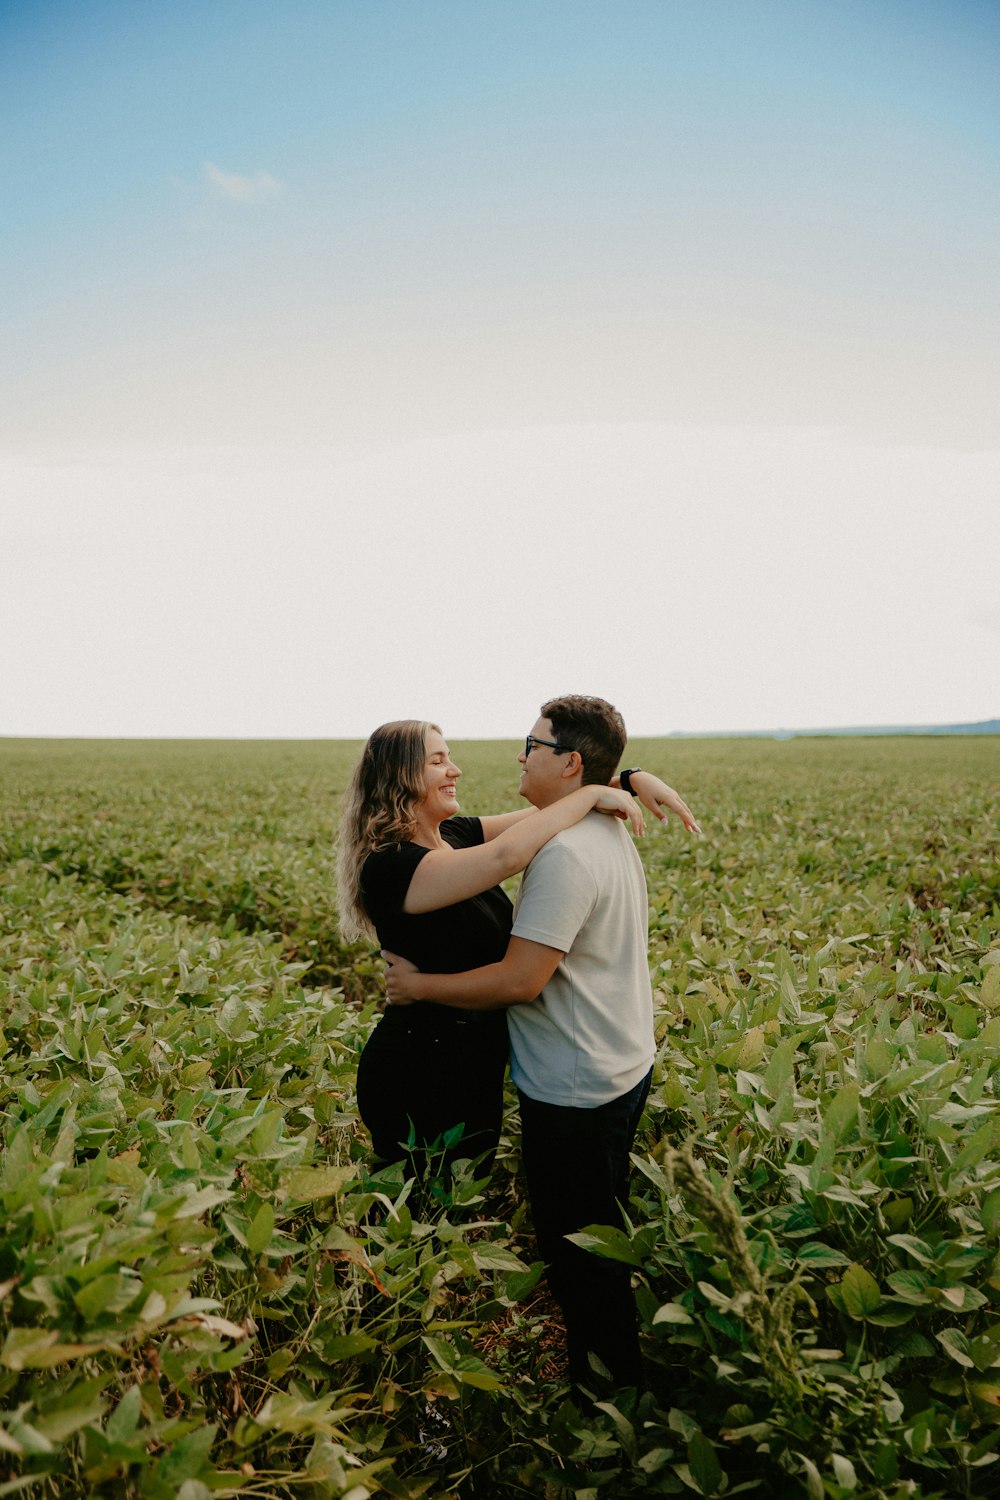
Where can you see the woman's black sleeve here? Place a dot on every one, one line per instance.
(386, 876)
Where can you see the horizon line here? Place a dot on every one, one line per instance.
(981, 726)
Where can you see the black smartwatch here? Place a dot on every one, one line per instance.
(625, 780)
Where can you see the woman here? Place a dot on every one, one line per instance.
(426, 883)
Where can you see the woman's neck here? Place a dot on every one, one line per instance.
(428, 833)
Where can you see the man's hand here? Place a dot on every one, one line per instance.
(621, 805)
(397, 979)
(657, 796)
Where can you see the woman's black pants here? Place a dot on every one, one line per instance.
(426, 1070)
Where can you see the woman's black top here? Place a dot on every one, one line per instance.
(466, 935)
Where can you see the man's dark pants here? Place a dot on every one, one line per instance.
(576, 1164)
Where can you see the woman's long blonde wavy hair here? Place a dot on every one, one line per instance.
(380, 807)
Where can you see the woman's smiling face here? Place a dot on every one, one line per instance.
(440, 799)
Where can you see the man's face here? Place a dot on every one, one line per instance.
(542, 779)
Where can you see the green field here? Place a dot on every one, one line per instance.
(203, 1291)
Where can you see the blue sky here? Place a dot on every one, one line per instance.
(687, 308)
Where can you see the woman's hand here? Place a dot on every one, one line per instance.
(621, 805)
(397, 979)
(656, 795)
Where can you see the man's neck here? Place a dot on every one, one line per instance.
(560, 792)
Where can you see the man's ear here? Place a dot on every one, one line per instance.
(574, 765)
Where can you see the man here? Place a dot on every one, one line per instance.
(576, 980)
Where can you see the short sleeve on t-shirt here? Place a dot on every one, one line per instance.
(445, 941)
(387, 872)
(387, 875)
(558, 894)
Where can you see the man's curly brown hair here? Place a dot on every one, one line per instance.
(594, 728)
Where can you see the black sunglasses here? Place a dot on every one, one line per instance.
(554, 744)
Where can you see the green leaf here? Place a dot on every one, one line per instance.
(985, 1350)
(780, 1069)
(124, 1420)
(78, 1408)
(817, 1255)
(266, 1131)
(195, 1072)
(440, 1350)
(109, 1293)
(844, 1472)
(814, 1484)
(990, 1210)
(187, 1458)
(496, 1258)
(261, 1229)
(654, 1459)
(955, 1344)
(878, 1058)
(348, 1345)
(704, 1464)
(306, 1184)
(917, 1248)
(751, 1050)
(911, 1286)
(200, 1201)
(672, 1312)
(468, 1370)
(841, 1114)
(965, 1022)
(859, 1291)
(516, 1286)
(892, 1314)
(986, 1398)
(623, 1427)
(989, 990)
(960, 1298)
(38, 1349)
(897, 1212)
(611, 1243)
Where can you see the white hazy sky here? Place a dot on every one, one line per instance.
(421, 358)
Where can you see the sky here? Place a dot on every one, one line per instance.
(423, 358)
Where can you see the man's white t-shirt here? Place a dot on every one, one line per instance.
(589, 1037)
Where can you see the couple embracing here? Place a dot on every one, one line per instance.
(562, 977)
